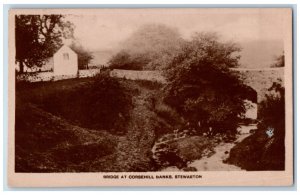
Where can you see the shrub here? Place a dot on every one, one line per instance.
(272, 110)
(151, 85)
(124, 60)
(201, 86)
(106, 104)
(166, 112)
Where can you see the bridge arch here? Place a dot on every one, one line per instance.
(260, 80)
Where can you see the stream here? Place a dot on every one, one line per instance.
(215, 161)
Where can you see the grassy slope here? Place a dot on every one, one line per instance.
(49, 143)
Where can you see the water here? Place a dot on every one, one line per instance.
(215, 161)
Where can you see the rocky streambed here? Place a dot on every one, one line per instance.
(186, 151)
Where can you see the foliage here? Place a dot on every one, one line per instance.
(201, 86)
(124, 60)
(151, 47)
(107, 103)
(272, 112)
(38, 37)
(98, 103)
(84, 56)
(279, 61)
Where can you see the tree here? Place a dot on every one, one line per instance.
(279, 61)
(38, 37)
(84, 56)
(123, 60)
(151, 47)
(202, 87)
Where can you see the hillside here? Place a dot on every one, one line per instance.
(107, 124)
(47, 141)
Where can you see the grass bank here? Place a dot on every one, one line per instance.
(56, 133)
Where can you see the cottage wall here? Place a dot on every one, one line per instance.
(65, 62)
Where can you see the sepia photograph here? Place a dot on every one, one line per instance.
(158, 95)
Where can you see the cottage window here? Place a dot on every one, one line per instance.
(66, 56)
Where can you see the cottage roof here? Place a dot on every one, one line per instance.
(65, 48)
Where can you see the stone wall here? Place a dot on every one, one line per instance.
(49, 76)
(138, 75)
(88, 73)
(35, 76)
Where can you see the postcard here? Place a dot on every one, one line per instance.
(150, 97)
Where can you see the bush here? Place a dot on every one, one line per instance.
(124, 60)
(272, 110)
(167, 113)
(107, 104)
(201, 86)
(151, 85)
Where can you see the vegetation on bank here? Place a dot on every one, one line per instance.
(53, 133)
(202, 88)
(47, 143)
(98, 103)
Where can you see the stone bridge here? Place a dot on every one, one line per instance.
(260, 79)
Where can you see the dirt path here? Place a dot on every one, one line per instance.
(134, 148)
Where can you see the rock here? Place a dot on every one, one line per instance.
(226, 152)
(188, 169)
(181, 135)
(161, 146)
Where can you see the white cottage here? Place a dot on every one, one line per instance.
(65, 62)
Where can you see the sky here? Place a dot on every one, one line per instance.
(105, 29)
